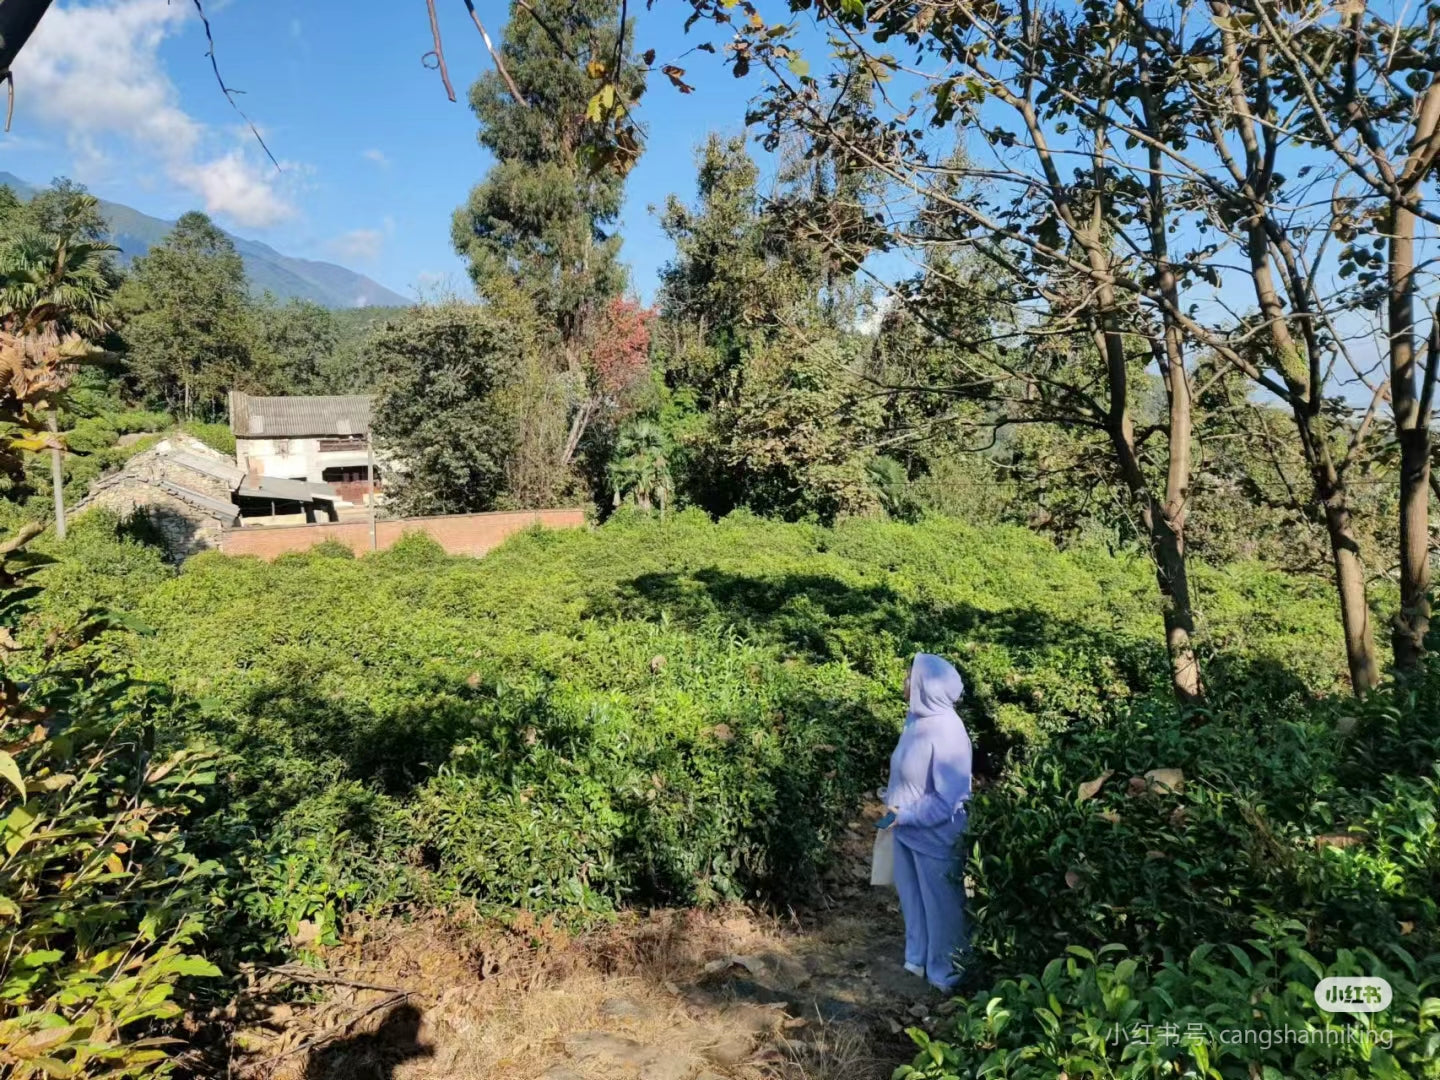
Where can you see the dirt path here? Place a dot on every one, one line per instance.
(669, 995)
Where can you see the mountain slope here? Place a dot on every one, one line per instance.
(325, 283)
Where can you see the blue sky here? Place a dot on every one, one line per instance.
(119, 95)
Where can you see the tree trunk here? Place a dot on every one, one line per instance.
(1172, 574)
(57, 475)
(1412, 622)
(1409, 626)
(578, 427)
(1354, 610)
(1164, 530)
(1167, 520)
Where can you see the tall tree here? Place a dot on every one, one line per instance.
(542, 219)
(753, 336)
(57, 279)
(188, 325)
(442, 414)
(1361, 81)
(1138, 154)
(296, 346)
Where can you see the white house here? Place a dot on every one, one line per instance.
(316, 439)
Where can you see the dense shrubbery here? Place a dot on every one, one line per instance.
(1243, 1011)
(1304, 842)
(94, 444)
(676, 711)
(684, 711)
(100, 897)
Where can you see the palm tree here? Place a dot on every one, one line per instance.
(640, 470)
(55, 289)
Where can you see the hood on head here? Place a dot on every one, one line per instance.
(935, 685)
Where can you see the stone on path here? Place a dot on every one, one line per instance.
(621, 1009)
(651, 1062)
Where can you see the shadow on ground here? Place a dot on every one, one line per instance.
(374, 1055)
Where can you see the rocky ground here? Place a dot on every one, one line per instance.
(734, 994)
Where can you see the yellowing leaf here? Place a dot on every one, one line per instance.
(10, 770)
(1090, 788)
(1166, 781)
(114, 865)
(37, 1042)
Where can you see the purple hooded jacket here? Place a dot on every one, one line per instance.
(930, 768)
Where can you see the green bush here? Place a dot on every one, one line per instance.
(1240, 1012)
(1324, 810)
(101, 899)
(216, 436)
(659, 711)
(1290, 837)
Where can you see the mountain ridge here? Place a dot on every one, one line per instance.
(287, 277)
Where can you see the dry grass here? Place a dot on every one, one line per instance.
(512, 1004)
(632, 999)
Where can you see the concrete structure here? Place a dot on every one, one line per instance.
(190, 493)
(319, 440)
(459, 534)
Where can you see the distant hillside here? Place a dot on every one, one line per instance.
(334, 286)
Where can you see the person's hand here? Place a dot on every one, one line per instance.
(886, 822)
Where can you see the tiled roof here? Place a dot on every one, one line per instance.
(218, 469)
(226, 512)
(275, 487)
(298, 417)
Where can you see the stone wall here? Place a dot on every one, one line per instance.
(460, 534)
(140, 485)
(184, 529)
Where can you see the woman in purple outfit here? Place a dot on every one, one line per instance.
(929, 786)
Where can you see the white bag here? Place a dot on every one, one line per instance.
(882, 860)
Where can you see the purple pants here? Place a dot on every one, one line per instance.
(932, 899)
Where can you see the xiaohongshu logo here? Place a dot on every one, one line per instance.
(1353, 994)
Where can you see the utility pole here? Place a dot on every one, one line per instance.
(57, 472)
(370, 470)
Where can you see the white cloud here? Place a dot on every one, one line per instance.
(234, 186)
(92, 72)
(378, 157)
(360, 244)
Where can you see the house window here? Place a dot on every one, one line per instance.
(348, 474)
(342, 443)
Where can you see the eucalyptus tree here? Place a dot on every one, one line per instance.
(542, 221)
(1161, 181)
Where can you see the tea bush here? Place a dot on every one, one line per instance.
(1298, 839)
(101, 899)
(1244, 1011)
(676, 711)
(1326, 810)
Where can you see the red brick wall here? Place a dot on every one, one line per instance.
(462, 534)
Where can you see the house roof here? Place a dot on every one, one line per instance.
(219, 469)
(281, 489)
(225, 511)
(298, 417)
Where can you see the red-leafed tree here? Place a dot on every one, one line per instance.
(616, 364)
